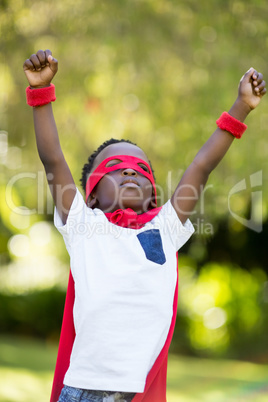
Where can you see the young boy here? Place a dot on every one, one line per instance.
(122, 247)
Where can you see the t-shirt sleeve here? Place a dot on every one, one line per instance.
(179, 233)
(77, 222)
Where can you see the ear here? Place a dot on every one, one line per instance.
(92, 202)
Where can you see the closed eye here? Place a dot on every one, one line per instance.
(144, 167)
(113, 162)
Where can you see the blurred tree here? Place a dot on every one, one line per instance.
(158, 72)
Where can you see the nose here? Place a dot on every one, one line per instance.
(129, 172)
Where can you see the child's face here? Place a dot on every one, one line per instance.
(124, 188)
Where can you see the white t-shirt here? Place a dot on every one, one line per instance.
(124, 290)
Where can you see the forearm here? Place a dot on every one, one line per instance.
(40, 69)
(194, 179)
(60, 179)
(250, 91)
(47, 139)
(218, 144)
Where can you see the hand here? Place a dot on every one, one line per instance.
(40, 68)
(251, 88)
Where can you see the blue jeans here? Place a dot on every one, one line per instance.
(70, 394)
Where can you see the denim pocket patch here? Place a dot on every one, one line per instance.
(151, 243)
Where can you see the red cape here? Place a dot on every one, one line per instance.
(155, 387)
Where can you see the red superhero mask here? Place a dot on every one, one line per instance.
(126, 162)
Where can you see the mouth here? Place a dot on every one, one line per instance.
(130, 183)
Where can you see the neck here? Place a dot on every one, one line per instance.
(135, 209)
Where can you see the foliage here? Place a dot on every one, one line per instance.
(35, 314)
(222, 311)
(158, 72)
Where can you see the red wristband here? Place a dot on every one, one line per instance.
(232, 125)
(40, 96)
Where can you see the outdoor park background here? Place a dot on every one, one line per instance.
(157, 72)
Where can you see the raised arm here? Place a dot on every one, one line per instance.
(40, 69)
(187, 193)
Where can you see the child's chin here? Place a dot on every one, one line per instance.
(136, 207)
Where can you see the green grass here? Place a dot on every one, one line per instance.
(194, 380)
(26, 371)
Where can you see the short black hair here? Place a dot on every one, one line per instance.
(88, 166)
